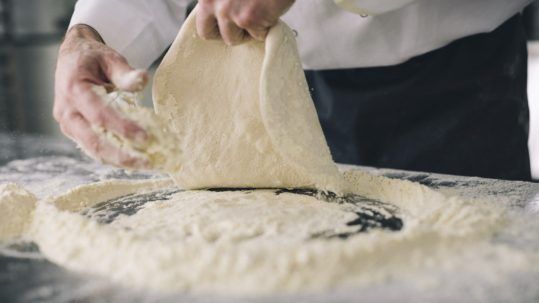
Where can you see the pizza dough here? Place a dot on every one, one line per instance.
(258, 242)
(243, 115)
(16, 210)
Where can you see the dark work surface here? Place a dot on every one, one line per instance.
(15, 146)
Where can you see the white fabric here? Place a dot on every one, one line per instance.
(329, 36)
(140, 30)
(533, 97)
(374, 7)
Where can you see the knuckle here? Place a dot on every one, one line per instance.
(98, 118)
(247, 19)
(222, 11)
(245, 22)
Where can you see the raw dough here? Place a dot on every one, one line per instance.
(16, 210)
(160, 151)
(258, 242)
(243, 115)
(231, 116)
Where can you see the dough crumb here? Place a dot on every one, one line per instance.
(16, 210)
(161, 150)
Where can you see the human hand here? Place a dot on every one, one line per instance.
(238, 20)
(83, 62)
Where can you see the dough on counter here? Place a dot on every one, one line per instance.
(259, 242)
(16, 210)
(243, 115)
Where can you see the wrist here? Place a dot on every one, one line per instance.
(83, 31)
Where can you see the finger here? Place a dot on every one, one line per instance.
(230, 32)
(80, 131)
(121, 74)
(251, 21)
(93, 108)
(258, 34)
(206, 24)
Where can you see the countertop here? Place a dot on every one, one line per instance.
(48, 166)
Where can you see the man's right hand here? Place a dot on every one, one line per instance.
(83, 62)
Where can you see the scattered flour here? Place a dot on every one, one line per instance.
(256, 242)
(161, 149)
(16, 210)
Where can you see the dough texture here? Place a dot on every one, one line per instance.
(256, 242)
(160, 150)
(243, 115)
(16, 210)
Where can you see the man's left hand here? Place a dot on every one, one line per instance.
(236, 21)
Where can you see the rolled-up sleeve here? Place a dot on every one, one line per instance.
(140, 30)
(372, 7)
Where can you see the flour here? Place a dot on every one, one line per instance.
(256, 242)
(16, 210)
(160, 151)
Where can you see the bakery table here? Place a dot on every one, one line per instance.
(47, 166)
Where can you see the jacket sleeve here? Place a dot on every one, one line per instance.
(140, 30)
(372, 7)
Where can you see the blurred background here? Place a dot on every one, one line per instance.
(31, 32)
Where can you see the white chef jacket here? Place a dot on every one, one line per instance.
(331, 34)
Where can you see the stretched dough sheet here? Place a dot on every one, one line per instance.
(243, 115)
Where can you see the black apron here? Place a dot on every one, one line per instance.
(461, 109)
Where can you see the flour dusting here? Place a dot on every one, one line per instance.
(259, 242)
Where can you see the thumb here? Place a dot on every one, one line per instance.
(122, 75)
